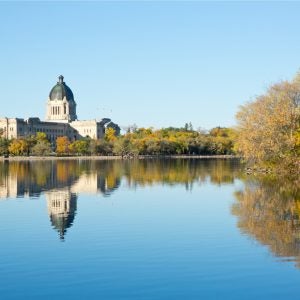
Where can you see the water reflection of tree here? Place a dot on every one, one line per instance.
(35, 177)
(180, 171)
(269, 210)
(60, 180)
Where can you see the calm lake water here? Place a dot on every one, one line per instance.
(148, 229)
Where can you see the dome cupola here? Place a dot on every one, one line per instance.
(61, 91)
(61, 106)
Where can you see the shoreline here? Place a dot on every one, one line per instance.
(94, 157)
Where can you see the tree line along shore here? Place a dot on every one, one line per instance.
(136, 142)
(267, 135)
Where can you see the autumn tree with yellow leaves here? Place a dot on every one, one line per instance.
(110, 135)
(18, 147)
(62, 145)
(269, 128)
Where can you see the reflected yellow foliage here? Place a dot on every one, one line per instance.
(37, 176)
(268, 209)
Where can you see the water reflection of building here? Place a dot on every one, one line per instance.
(62, 205)
(31, 180)
(8, 187)
(60, 181)
(95, 184)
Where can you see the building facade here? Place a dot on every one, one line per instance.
(61, 120)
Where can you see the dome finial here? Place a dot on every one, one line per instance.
(61, 79)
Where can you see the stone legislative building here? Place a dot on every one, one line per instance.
(61, 120)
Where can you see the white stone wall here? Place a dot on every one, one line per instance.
(3, 127)
(8, 127)
(86, 128)
(18, 128)
(61, 111)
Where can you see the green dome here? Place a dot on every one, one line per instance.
(61, 90)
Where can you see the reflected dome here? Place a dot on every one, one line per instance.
(62, 207)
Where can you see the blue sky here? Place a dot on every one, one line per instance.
(150, 63)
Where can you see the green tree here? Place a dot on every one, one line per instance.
(80, 147)
(4, 144)
(31, 142)
(2, 132)
(124, 147)
(103, 147)
(41, 148)
(152, 146)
